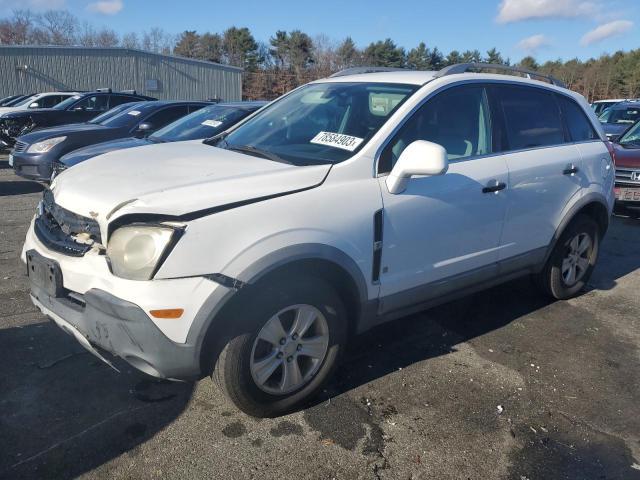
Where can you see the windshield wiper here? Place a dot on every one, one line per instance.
(213, 141)
(156, 139)
(251, 150)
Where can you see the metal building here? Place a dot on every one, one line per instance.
(28, 69)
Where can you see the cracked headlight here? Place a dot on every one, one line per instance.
(45, 145)
(135, 251)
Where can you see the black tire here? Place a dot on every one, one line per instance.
(232, 369)
(550, 279)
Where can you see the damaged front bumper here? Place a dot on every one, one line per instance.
(102, 322)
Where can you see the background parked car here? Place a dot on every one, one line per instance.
(77, 108)
(7, 101)
(39, 100)
(627, 160)
(601, 105)
(34, 153)
(204, 123)
(618, 118)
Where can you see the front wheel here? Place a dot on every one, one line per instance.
(572, 260)
(288, 340)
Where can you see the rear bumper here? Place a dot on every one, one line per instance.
(32, 166)
(102, 321)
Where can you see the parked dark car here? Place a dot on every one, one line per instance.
(78, 108)
(34, 153)
(204, 123)
(627, 160)
(618, 118)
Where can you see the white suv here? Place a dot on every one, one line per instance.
(350, 201)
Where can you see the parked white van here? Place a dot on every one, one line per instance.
(350, 201)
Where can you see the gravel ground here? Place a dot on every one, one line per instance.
(415, 399)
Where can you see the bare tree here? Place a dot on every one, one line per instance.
(16, 30)
(130, 40)
(157, 40)
(60, 25)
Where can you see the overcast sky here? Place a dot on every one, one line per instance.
(547, 29)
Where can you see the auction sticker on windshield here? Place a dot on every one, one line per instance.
(337, 140)
(212, 123)
(135, 113)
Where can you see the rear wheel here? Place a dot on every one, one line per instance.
(572, 260)
(289, 338)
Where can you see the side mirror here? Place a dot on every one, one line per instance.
(34, 105)
(144, 129)
(419, 158)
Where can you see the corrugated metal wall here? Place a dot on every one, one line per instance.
(40, 69)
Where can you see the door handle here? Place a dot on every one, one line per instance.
(494, 186)
(570, 170)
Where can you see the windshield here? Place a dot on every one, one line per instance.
(68, 102)
(632, 136)
(114, 111)
(129, 116)
(203, 123)
(319, 123)
(627, 115)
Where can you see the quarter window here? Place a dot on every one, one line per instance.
(579, 126)
(531, 117)
(457, 119)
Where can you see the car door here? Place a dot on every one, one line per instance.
(443, 232)
(597, 164)
(544, 170)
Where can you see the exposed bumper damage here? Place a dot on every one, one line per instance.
(102, 322)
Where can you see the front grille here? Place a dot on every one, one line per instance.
(628, 176)
(20, 147)
(55, 227)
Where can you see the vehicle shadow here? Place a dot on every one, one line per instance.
(19, 188)
(435, 332)
(63, 412)
(619, 253)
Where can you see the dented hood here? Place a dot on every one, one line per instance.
(175, 179)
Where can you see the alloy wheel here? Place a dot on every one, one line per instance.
(576, 261)
(289, 349)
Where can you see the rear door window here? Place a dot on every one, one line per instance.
(580, 128)
(531, 117)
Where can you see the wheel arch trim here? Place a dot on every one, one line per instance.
(592, 198)
(290, 255)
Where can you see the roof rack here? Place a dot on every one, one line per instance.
(360, 70)
(465, 67)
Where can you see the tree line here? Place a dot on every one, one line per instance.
(289, 59)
